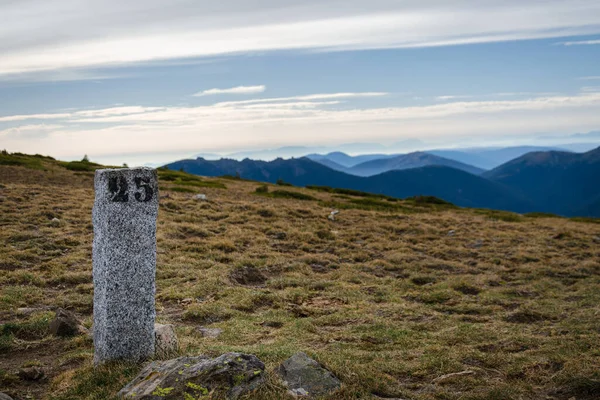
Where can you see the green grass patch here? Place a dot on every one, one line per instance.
(185, 179)
(587, 220)
(369, 204)
(497, 215)
(286, 194)
(281, 182)
(204, 184)
(81, 165)
(172, 176)
(429, 201)
(182, 189)
(237, 178)
(22, 160)
(35, 328)
(101, 382)
(263, 190)
(350, 192)
(375, 204)
(541, 215)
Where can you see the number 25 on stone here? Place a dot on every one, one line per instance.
(118, 187)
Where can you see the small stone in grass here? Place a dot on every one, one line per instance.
(210, 332)
(31, 374)
(65, 323)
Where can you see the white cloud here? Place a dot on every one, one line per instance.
(501, 94)
(590, 89)
(29, 132)
(581, 43)
(298, 104)
(24, 117)
(115, 111)
(257, 111)
(309, 97)
(221, 127)
(233, 90)
(38, 35)
(451, 97)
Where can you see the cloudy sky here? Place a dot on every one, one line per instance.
(152, 80)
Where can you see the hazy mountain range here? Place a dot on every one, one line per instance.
(578, 142)
(374, 164)
(547, 181)
(556, 182)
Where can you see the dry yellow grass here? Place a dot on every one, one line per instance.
(384, 296)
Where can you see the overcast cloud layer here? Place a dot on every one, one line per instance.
(262, 122)
(312, 83)
(39, 35)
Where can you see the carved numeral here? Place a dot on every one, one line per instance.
(117, 186)
(148, 192)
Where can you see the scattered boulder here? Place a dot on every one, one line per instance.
(55, 222)
(31, 374)
(451, 232)
(199, 197)
(476, 244)
(165, 340)
(186, 301)
(228, 376)
(332, 215)
(210, 332)
(247, 275)
(306, 377)
(65, 323)
(4, 396)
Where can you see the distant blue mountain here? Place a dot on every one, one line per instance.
(473, 160)
(408, 161)
(301, 151)
(486, 157)
(458, 187)
(549, 181)
(345, 160)
(557, 182)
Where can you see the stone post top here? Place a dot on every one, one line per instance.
(126, 185)
(124, 170)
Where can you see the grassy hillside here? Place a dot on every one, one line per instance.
(392, 296)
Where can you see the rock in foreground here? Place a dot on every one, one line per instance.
(306, 377)
(166, 343)
(248, 275)
(66, 324)
(226, 377)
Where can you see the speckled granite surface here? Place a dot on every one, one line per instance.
(124, 263)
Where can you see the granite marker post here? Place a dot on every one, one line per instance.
(124, 262)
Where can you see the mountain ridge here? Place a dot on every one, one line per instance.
(556, 182)
(453, 185)
(408, 161)
(559, 182)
